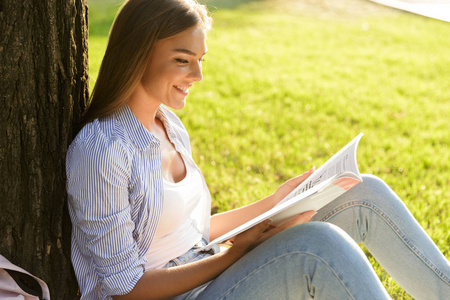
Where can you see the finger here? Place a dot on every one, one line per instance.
(261, 226)
(299, 179)
(245, 241)
(300, 219)
(256, 230)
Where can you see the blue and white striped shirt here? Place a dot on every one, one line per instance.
(115, 194)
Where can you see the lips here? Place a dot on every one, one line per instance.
(183, 89)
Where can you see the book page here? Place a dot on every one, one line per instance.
(321, 194)
(335, 177)
(313, 199)
(342, 161)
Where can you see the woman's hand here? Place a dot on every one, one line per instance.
(290, 185)
(226, 221)
(247, 240)
(299, 219)
(252, 237)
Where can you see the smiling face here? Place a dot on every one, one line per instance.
(175, 64)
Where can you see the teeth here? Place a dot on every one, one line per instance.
(184, 89)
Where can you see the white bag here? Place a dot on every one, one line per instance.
(16, 283)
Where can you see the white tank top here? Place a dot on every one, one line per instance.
(176, 232)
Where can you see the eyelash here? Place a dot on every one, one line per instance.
(183, 61)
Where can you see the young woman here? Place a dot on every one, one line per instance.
(140, 206)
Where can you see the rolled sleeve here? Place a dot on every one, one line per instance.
(98, 174)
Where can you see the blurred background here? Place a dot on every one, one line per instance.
(287, 83)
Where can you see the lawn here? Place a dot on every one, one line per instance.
(287, 83)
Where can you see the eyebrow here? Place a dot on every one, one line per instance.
(186, 51)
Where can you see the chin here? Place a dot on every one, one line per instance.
(178, 106)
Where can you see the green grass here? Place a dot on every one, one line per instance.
(285, 88)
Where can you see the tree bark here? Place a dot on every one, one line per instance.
(44, 89)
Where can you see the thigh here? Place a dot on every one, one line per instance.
(309, 260)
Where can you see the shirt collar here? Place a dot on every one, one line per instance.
(140, 136)
(162, 116)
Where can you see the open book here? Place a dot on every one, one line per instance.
(336, 176)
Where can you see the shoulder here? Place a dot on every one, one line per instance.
(102, 141)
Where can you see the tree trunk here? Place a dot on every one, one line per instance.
(44, 89)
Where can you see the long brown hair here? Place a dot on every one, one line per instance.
(137, 27)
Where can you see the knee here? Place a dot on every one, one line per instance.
(321, 231)
(372, 183)
(315, 229)
(371, 189)
(318, 238)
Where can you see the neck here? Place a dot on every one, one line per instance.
(144, 108)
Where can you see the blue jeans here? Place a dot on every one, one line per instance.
(323, 260)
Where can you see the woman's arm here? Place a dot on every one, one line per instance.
(170, 282)
(223, 222)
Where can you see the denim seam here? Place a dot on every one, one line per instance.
(176, 262)
(282, 256)
(395, 228)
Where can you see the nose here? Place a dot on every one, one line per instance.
(196, 71)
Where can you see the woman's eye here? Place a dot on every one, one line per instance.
(181, 61)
